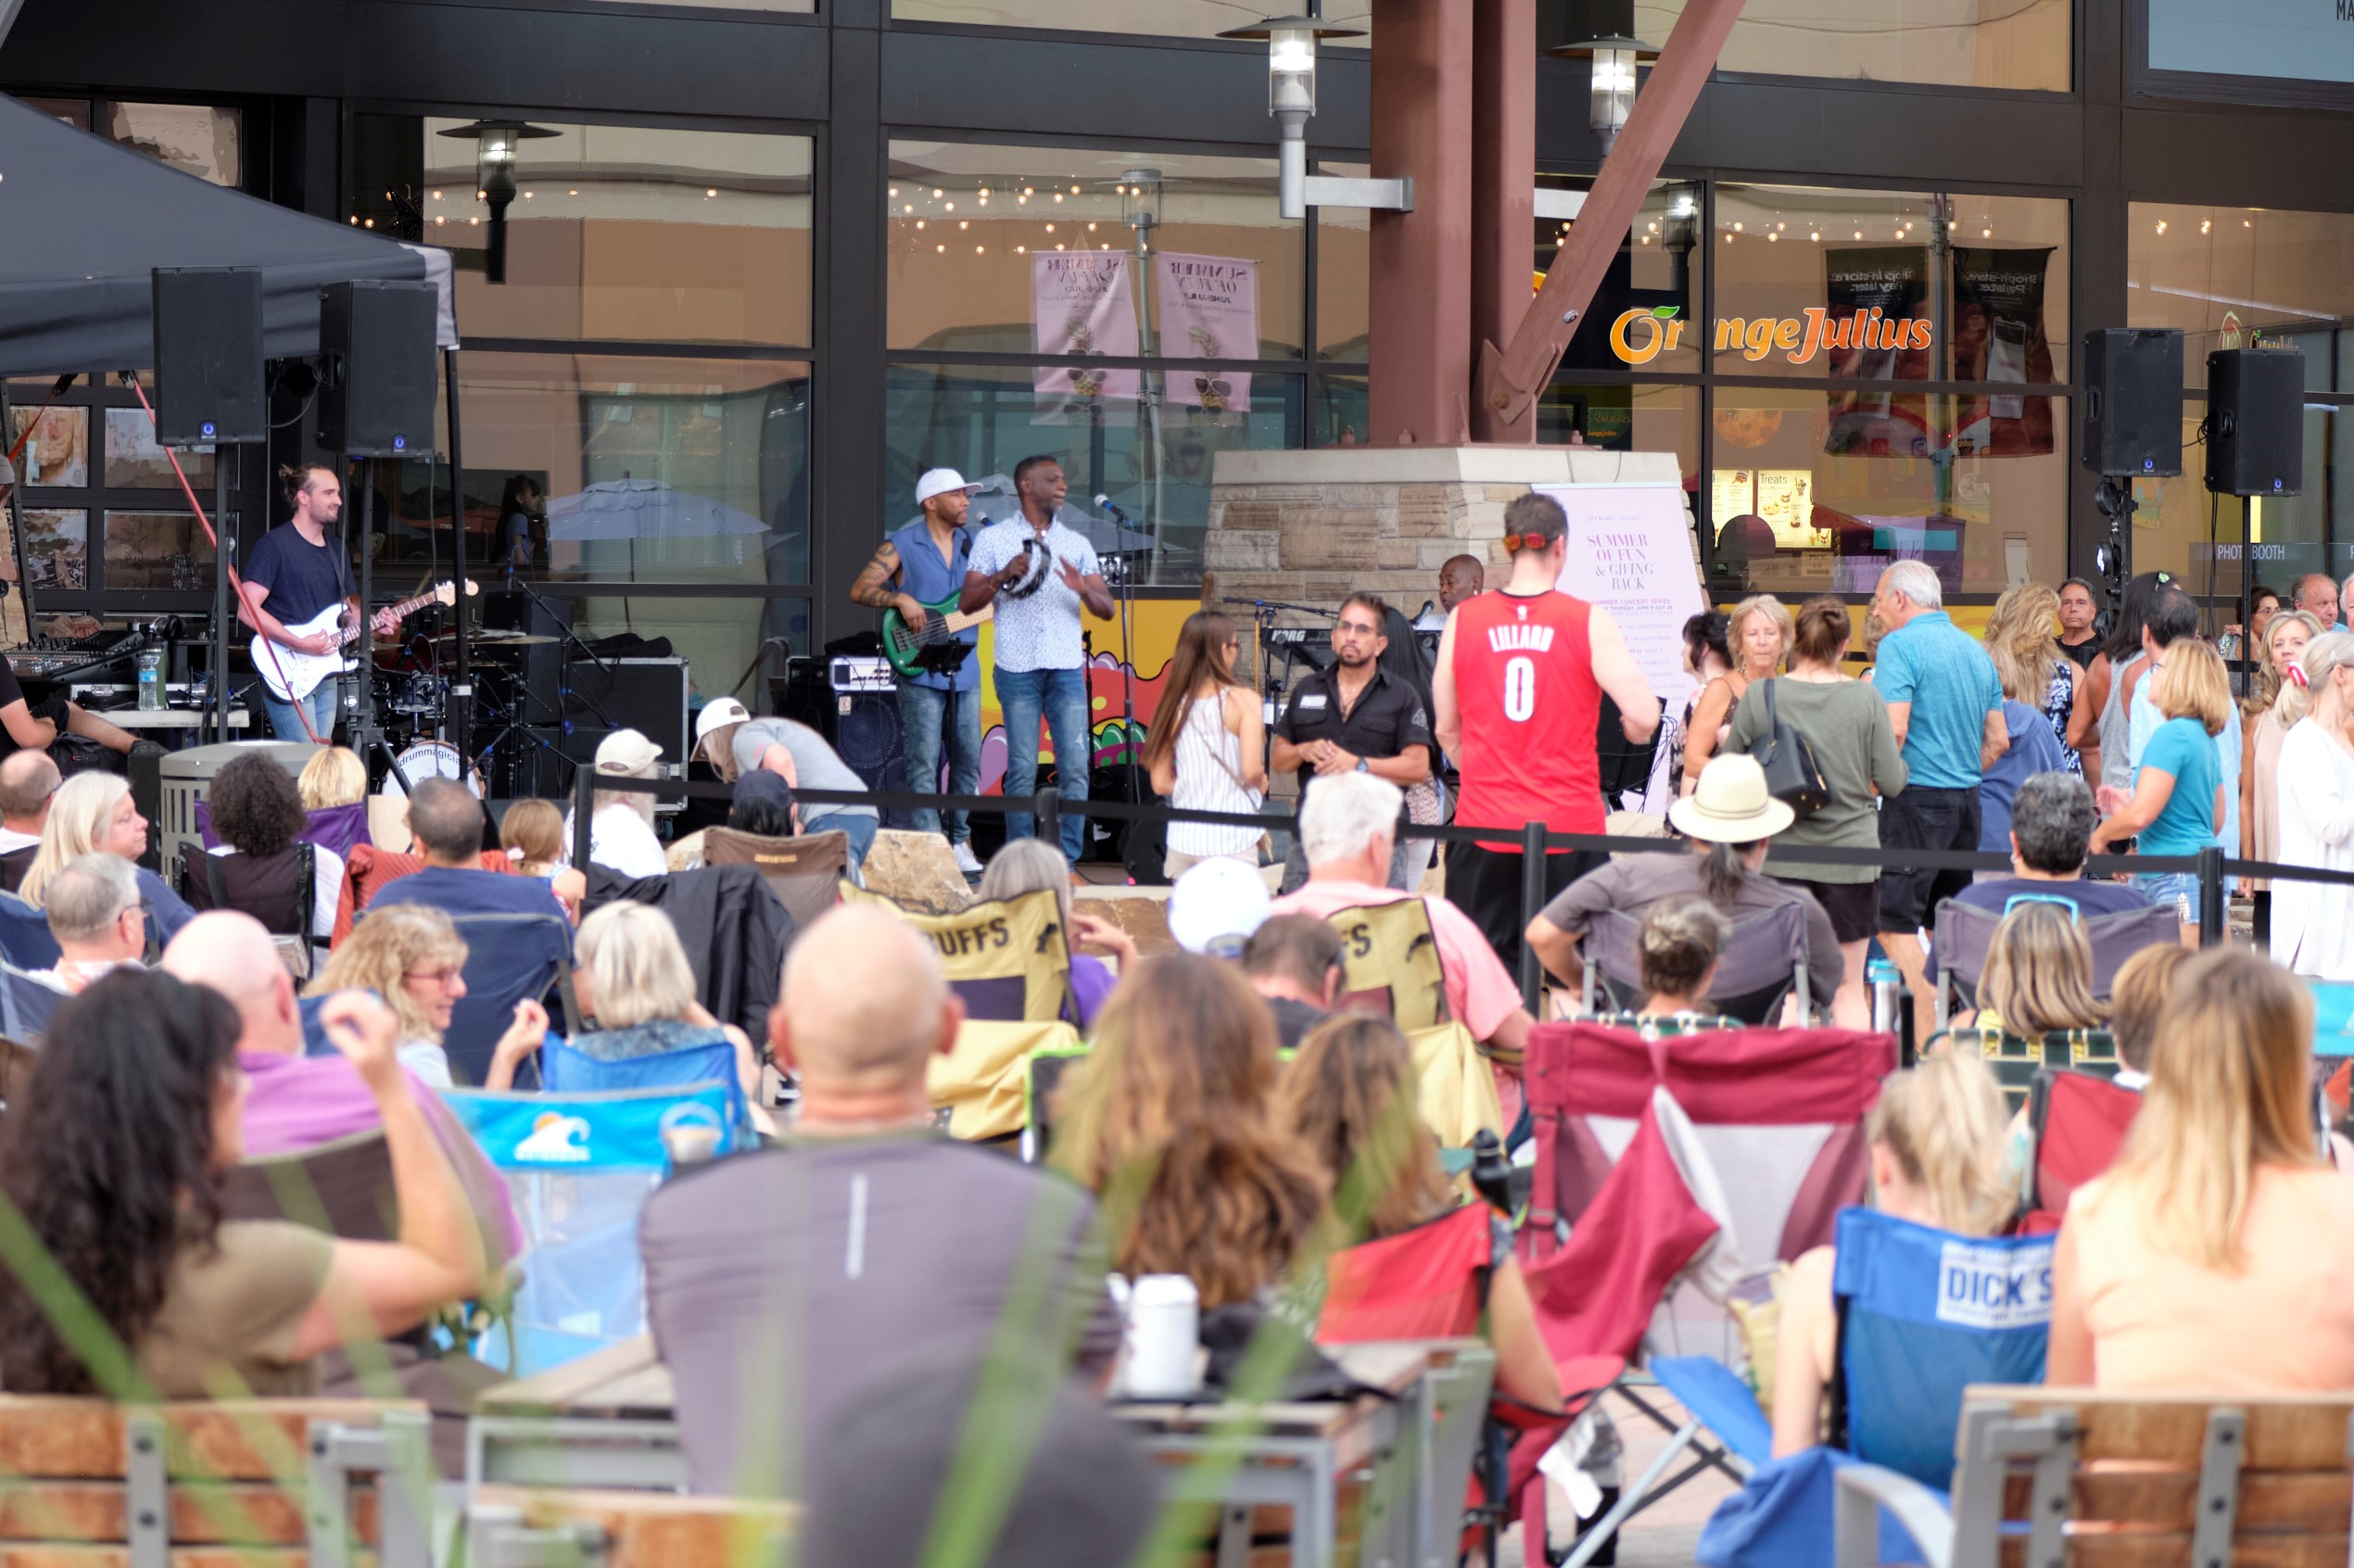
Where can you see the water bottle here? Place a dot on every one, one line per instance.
(151, 681)
(1160, 1353)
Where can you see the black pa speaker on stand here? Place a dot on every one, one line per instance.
(209, 379)
(2133, 401)
(2256, 422)
(378, 338)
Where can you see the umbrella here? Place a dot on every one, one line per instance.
(644, 509)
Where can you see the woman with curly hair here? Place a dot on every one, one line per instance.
(1349, 1095)
(411, 955)
(1170, 1129)
(2022, 637)
(258, 866)
(140, 1103)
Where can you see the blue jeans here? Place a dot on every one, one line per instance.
(319, 705)
(927, 716)
(1062, 696)
(859, 826)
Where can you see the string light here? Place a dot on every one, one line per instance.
(1058, 195)
(1022, 250)
(440, 218)
(2162, 225)
(894, 193)
(474, 223)
(1773, 239)
(710, 193)
(1815, 234)
(2205, 224)
(963, 224)
(919, 222)
(575, 191)
(1050, 228)
(952, 206)
(527, 196)
(979, 248)
(941, 248)
(437, 196)
(1737, 227)
(1074, 190)
(937, 195)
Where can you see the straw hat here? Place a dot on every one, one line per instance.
(1731, 805)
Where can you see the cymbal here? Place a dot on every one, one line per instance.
(495, 638)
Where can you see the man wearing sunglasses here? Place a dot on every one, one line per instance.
(1353, 717)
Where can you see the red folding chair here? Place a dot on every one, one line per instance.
(1669, 1169)
(2076, 1125)
(1431, 1282)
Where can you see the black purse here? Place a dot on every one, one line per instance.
(1792, 775)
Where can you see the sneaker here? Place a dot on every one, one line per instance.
(966, 862)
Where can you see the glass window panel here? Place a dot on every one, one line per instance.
(1656, 273)
(2018, 43)
(971, 227)
(2176, 519)
(57, 547)
(1152, 453)
(1164, 18)
(1624, 419)
(720, 638)
(1990, 304)
(57, 457)
(2222, 275)
(134, 461)
(156, 552)
(73, 111)
(194, 138)
(620, 468)
(1344, 268)
(1815, 493)
(616, 231)
(1343, 410)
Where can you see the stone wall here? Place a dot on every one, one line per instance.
(1311, 527)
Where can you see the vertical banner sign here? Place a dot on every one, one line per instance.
(1998, 337)
(1081, 304)
(1871, 291)
(1209, 311)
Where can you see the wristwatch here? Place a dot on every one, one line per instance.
(1363, 766)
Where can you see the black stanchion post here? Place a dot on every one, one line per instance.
(583, 797)
(1532, 904)
(2210, 896)
(1046, 810)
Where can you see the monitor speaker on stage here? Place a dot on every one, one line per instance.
(376, 396)
(209, 381)
(2256, 422)
(2133, 401)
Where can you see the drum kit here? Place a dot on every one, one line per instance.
(410, 689)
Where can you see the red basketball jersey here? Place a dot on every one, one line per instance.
(1525, 680)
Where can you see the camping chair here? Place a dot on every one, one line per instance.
(1008, 960)
(2074, 1474)
(1046, 1067)
(982, 1084)
(803, 873)
(226, 1481)
(509, 959)
(1764, 960)
(1965, 933)
(565, 1068)
(1923, 1314)
(24, 934)
(509, 1525)
(26, 1004)
(580, 1168)
(2017, 1060)
(2076, 1124)
(1391, 964)
(1667, 1170)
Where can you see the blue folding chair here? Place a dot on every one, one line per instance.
(1923, 1314)
(509, 957)
(25, 1006)
(580, 1168)
(565, 1069)
(24, 934)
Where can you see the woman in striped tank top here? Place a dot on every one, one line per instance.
(1208, 747)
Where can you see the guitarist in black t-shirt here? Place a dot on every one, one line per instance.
(290, 578)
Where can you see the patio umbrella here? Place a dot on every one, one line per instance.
(644, 508)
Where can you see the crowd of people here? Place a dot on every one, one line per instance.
(1242, 1116)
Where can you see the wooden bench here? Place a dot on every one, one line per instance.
(2072, 1478)
(522, 1528)
(254, 1482)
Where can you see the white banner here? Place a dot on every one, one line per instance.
(1209, 311)
(1630, 550)
(1082, 303)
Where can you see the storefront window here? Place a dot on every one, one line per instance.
(206, 140)
(1163, 19)
(2024, 44)
(1344, 264)
(1886, 285)
(1146, 438)
(617, 233)
(1195, 262)
(1624, 419)
(1645, 315)
(1815, 493)
(2225, 276)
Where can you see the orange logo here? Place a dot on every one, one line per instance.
(1637, 336)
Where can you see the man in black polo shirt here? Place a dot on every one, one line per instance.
(1354, 718)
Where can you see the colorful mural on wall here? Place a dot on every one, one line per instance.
(1155, 622)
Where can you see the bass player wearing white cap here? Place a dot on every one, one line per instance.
(914, 577)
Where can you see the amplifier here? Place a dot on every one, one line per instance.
(862, 675)
(646, 695)
(858, 712)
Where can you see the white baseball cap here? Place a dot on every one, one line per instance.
(1216, 899)
(939, 482)
(626, 751)
(718, 714)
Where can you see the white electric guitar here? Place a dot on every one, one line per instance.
(290, 676)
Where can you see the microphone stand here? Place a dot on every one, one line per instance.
(563, 667)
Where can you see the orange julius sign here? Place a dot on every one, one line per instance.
(1638, 337)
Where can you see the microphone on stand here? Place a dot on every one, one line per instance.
(1104, 504)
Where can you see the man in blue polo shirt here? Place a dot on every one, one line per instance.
(920, 565)
(1946, 703)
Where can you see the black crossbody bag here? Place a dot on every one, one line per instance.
(1792, 775)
